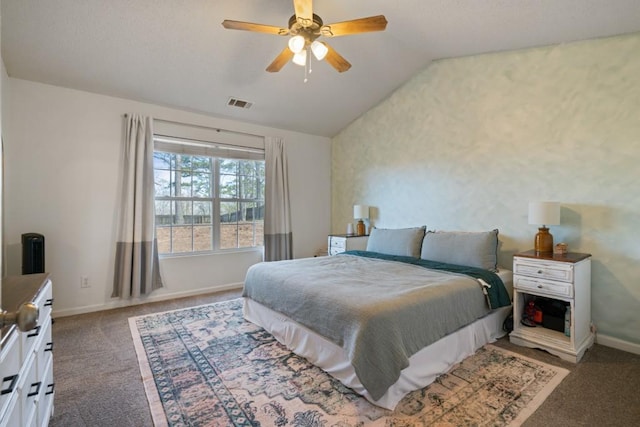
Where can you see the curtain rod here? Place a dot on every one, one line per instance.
(190, 141)
(206, 127)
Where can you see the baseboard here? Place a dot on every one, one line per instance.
(617, 344)
(119, 303)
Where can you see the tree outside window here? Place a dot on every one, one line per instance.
(207, 204)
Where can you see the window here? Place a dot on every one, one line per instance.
(205, 202)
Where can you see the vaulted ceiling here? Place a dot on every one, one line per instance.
(176, 52)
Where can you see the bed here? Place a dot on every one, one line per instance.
(388, 320)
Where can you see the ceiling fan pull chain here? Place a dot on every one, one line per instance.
(307, 66)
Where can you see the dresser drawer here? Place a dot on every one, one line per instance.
(43, 301)
(544, 270)
(553, 289)
(9, 368)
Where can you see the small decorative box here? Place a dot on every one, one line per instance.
(561, 249)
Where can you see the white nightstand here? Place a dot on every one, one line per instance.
(346, 242)
(565, 280)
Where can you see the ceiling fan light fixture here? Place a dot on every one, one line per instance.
(297, 43)
(300, 58)
(319, 50)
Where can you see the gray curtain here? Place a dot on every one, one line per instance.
(137, 269)
(278, 240)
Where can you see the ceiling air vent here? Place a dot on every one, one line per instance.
(235, 102)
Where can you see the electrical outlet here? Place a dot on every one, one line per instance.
(84, 282)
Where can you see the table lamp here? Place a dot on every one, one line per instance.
(360, 212)
(544, 213)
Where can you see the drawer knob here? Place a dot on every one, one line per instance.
(26, 317)
(540, 286)
(539, 271)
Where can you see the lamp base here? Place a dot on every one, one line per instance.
(543, 242)
(360, 229)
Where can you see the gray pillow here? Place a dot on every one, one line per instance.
(399, 241)
(474, 249)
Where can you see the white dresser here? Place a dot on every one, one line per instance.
(26, 358)
(562, 278)
(346, 242)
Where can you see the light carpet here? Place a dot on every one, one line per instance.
(207, 366)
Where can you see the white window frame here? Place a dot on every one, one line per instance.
(215, 151)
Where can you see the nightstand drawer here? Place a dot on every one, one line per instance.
(544, 270)
(335, 251)
(555, 289)
(337, 242)
(345, 242)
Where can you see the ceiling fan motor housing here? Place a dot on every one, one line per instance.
(310, 32)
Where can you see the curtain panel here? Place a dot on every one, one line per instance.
(137, 269)
(278, 237)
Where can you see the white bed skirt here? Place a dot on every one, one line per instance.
(424, 366)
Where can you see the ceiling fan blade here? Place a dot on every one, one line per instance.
(304, 12)
(280, 61)
(336, 60)
(355, 26)
(250, 26)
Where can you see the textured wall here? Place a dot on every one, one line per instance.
(468, 142)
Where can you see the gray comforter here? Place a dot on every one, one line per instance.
(381, 312)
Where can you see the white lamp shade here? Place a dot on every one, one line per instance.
(319, 50)
(544, 213)
(360, 212)
(300, 58)
(296, 44)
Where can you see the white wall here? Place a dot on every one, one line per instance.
(63, 168)
(3, 80)
(468, 142)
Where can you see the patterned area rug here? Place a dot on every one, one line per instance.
(207, 366)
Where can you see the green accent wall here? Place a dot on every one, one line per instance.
(468, 142)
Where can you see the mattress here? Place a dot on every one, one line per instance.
(424, 366)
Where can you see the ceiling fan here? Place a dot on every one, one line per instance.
(306, 27)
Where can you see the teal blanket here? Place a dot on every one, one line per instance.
(497, 295)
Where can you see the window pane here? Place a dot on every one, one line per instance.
(246, 234)
(228, 166)
(183, 162)
(251, 225)
(183, 179)
(202, 185)
(182, 239)
(228, 186)
(162, 182)
(163, 235)
(258, 212)
(162, 160)
(163, 212)
(228, 212)
(182, 213)
(202, 164)
(247, 181)
(202, 213)
(202, 238)
(228, 236)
